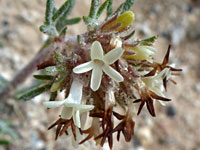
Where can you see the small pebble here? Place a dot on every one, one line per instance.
(170, 111)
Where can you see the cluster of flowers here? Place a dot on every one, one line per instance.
(108, 70)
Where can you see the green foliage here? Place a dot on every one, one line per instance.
(6, 129)
(58, 82)
(55, 69)
(109, 8)
(96, 11)
(53, 96)
(49, 12)
(1, 44)
(34, 92)
(101, 9)
(43, 77)
(58, 13)
(59, 57)
(125, 6)
(61, 25)
(55, 19)
(4, 142)
(93, 9)
(149, 41)
(3, 82)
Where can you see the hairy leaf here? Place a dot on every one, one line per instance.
(61, 10)
(59, 57)
(125, 6)
(109, 8)
(49, 29)
(150, 40)
(94, 9)
(62, 24)
(5, 128)
(49, 11)
(4, 142)
(87, 20)
(1, 44)
(101, 9)
(58, 83)
(3, 82)
(43, 77)
(35, 92)
(53, 96)
(54, 69)
(68, 11)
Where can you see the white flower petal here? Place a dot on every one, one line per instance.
(96, 77)
(76, 118)
(164, 73)
(79, 138)
(83, 119)
(146, 51)
(75, 94)
(85, 108)
(96, 51)
(112, 73)
(66, 113)
(83, 67)
(113, 55)
(67, 104)
(53, 104)
(150, 48)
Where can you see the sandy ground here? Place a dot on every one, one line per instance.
(176, 127)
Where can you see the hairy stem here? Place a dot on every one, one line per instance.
(25, 72)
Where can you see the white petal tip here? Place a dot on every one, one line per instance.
(94, 88)
(53, 104)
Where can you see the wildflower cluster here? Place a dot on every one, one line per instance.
(109, 69)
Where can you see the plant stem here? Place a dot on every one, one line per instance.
(25, 72)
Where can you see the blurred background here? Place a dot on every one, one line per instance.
(176, 127)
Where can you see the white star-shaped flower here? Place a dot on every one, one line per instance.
(155, 83)
(72, 104)
(101, 63)
(141, 53)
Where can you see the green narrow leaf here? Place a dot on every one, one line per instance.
(49, 29)
(58, 83)
(101, 9)
(43, 77)
(5, 128)
(53, 96)
(54, 11)
(49, 11)
(69, 9)
(109, 8)
(72, 21)
(3, 82)
(62, 24)
(87, 20)
(55, 69)
(93, 9)
(125, 6)
(1, 44)
(35, 92)
(149, 40)
(59, 57)
(61, 10)
(4, 142)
